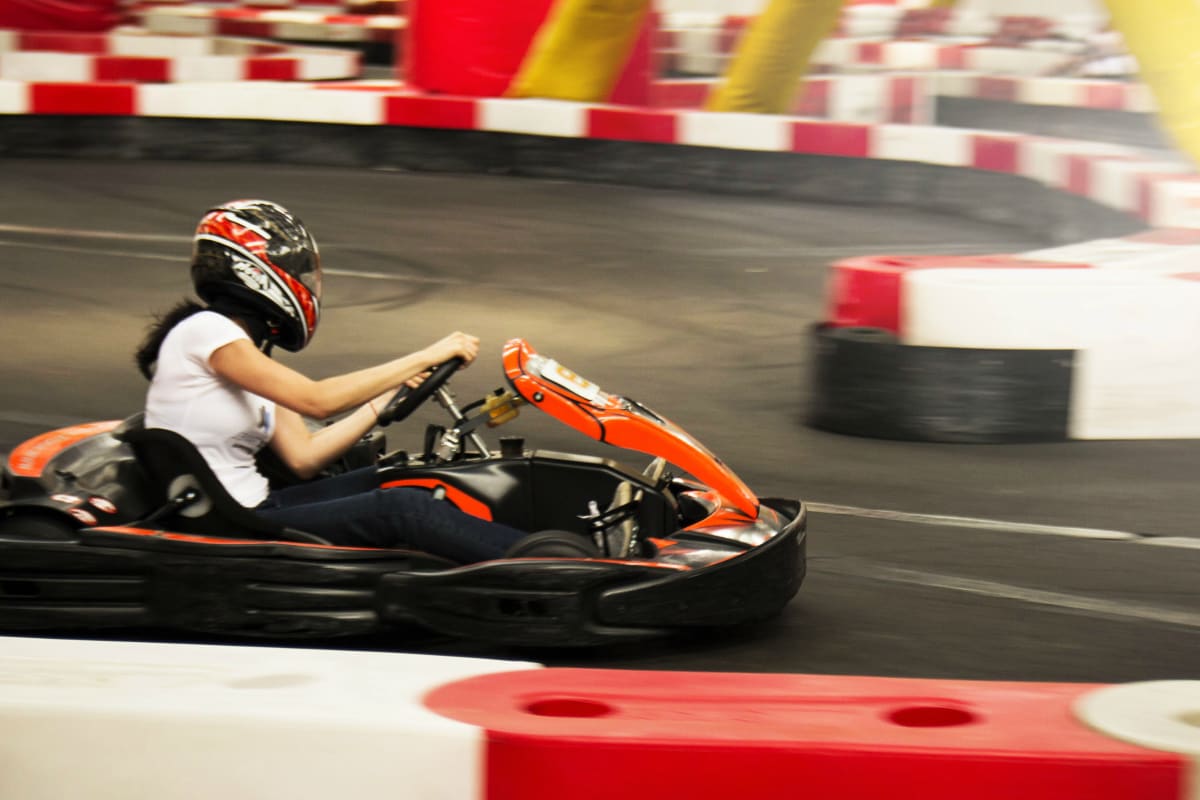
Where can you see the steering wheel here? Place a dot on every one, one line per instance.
(406, 399)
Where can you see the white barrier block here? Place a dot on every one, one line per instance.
(1124, 254)
(1068, 92)
(835, 51)
(14, 97)
(328, 106)
(1114, 182)
(1161, 715)
(859, 98)
(699, 51)
(911, 55)
(1001, 308)
(1175, 204)
(971, 22)
(1007, 61)
(189, 69)
(956, 84)
(128, 44)
(193, 22)
(328, 66)
(1140, 381)
(537, 117)
(35, 66)
(682, 20)
(193, 722)
(269, 100)
(735, 131)
(1043, 160)
(182, 99)
(923, 143)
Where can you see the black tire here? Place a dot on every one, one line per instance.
(553, 544)
(37, 528)
(862, 334)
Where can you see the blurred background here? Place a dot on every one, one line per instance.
(757, 221)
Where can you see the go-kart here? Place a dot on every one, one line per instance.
(112, 525)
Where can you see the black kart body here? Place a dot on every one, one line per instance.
(109, 525)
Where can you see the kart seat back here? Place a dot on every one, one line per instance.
(192, 499)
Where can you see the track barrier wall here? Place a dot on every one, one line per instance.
(177, 721)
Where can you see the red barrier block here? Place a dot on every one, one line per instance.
(902, 95)
(679, 93)
(995, 153)
(272, 69)
(134, 69)
(92, 99)
(870, 53)
(1113, 95)
(582, 734)
(632, 125)
(993, 88)
(54, 42)
(813, 98)
(952, 56)
(457, 113)
(832, 138)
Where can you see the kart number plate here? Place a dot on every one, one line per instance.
(556, 373)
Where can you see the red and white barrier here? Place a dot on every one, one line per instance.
(115, 720)
(287, 24)
(142, 58)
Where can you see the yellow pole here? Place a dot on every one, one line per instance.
(580, 50)
(1164, 37)
(773, 56)
(942, 3)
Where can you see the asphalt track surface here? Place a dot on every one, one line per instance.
(1070, 561)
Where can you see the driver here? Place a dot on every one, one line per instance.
(212, 380)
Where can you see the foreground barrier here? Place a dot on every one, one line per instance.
(112, 720)
(118, 720)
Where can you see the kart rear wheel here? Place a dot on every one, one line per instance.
(553, 544)
(36, 528)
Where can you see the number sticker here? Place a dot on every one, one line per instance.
(557, 373)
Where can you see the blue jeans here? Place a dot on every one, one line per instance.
(351, 510)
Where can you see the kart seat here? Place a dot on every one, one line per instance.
(192, 499)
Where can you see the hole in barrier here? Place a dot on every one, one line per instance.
(931, 717)
(569, 707)
(1190, 718)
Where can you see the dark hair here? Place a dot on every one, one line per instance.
(146, 356)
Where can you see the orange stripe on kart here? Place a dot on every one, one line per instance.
(187, 537)
(29, 459)
(458, 497)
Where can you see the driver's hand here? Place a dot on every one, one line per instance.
(456, 345)
(416, 380)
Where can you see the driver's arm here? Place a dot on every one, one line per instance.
(307, 452)
(241, 363)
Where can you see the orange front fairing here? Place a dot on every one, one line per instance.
(618, 421)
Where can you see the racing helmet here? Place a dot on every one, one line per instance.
(256, 257)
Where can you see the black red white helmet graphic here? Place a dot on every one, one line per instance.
(257, 255)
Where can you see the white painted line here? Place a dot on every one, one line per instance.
(1003, 526)
(1185, 542)
(93, 234)
(1091, 606)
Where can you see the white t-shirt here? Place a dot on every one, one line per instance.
(227, 424)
